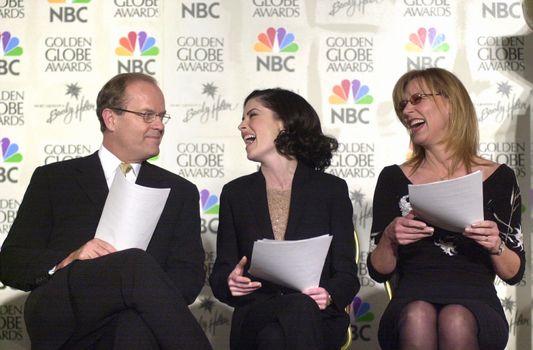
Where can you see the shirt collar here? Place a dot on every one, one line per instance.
(110, 164)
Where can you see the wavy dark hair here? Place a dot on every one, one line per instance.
(302, 137)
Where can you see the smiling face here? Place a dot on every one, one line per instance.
(427, 121)
(128, 136)
(259, 128)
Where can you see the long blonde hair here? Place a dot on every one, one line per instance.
(462, 135)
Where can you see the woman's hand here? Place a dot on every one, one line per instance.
(320, 296)
(238, 284)
(486, 234)
(406, 230)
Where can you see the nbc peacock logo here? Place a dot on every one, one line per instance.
(361, 317)
(354, 99)
(428, 39)
(10, 155)
(10, 151)
(276, 42)
(138, 44)
(10, 45)
(348, 91)
(209, 202)
(429, 46)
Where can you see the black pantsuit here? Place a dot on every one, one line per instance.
(319, 205)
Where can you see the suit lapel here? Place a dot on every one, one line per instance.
(91, 179)
(148, 176)
(298, 201)
(257, 198)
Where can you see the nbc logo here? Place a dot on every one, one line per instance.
(10, 154)
(276, 41)
(361, 315)
(210, 206)
(68, 13)
(428, 40)
(350, 92)
(137, 42)
(209, 202)
(10, 48)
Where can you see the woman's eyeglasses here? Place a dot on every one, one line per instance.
(414, 99)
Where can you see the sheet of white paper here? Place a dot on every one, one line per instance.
(130, 214)
(451, 204)
(293, 264)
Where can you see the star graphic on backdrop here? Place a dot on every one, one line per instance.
(357, 197)
(209, 89)
(508, 304)
(504, 88)
(207, 304)
(73, 90)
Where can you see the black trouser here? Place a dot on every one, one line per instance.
(122, 300)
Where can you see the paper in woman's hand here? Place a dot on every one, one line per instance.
(294, 264)
(451, 204)
(130, 214)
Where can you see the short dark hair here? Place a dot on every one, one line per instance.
(302, 136)
(112, 93)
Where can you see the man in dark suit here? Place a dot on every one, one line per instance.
(84, 293)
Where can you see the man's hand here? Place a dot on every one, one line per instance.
(90, 250)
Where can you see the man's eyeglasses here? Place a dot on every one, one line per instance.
(414, 99)
(148, 117)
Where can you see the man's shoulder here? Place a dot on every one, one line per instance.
(73, 163)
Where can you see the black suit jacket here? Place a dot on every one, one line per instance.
(319, 205)
(60, 212)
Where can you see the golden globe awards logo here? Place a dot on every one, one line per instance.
(276, 8)
(200, 54)
(12, 9)
(59, 152)
(511, 153)
(12, 322)
(200, 160)
(353, 160)
(8, 211)
(427, 8)
(68, 54)
(350, 54)
(136, 8)
(11, 108)
(501, 53)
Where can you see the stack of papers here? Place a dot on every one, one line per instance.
(294, 264)
(130, 214)
(451, 204)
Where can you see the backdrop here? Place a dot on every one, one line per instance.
(344, 56)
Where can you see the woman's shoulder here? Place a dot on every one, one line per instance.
(493, 171)
(242, 181)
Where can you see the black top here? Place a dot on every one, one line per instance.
(447, 266)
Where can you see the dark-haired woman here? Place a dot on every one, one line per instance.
(289, 198)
